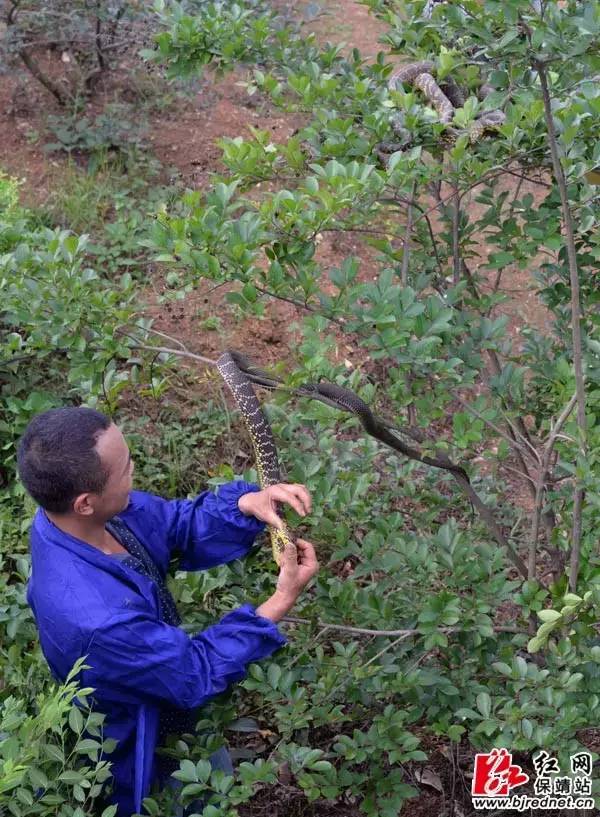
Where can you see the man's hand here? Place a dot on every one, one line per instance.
(297, 569)
(294, 574)
(262, 504)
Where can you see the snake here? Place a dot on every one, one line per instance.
(446, 97)
(261, 435)
(240, 373)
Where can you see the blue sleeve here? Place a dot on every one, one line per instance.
(141, 660)
(207, 531)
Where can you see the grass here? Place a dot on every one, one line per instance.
(83, 200)
(149, 90)
(112, 202)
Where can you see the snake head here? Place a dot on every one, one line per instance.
(253, 372)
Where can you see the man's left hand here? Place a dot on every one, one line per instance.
(262, 504)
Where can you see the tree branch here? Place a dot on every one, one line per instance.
(541, 483)
(406, 244)
(455, 237)
(47, 82)
(389, 633)
(390, 437)
(559, 176)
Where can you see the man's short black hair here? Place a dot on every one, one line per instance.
(56, 456)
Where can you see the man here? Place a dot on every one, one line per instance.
(100, 553)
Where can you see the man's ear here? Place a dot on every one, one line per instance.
(83, 505)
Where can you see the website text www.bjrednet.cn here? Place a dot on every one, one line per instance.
(520, 802)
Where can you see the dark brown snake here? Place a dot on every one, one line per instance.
(240, 373)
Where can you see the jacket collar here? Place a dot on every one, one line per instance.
(44, 530)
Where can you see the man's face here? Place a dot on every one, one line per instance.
(114, 453)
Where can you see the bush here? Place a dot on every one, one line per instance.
(80, 41)
(422, 624)
(112, 130)
(428, 346)
(50, 761)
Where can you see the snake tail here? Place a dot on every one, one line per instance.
(263, 442)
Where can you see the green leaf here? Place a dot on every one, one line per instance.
(204, 770)
(549, 615)
(446, 63)
(520, 666)
(151, 806)
(54, 752)
(78, 793)
(321, 766)
(527, 728)
(484, 704)
(273, 675)
(187, 771)
(212, 811)
(38, 778)
(76, 720)
(71, 776)
(87, 745)
(192, 789)
(534, 644)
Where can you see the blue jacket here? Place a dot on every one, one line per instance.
(87, 603)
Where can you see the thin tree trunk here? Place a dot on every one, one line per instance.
(99, 53)
(46, 81)
(455, 237)
(411, 411)
(541, 484)
(406, 245)
(548, 516)
(575, 315)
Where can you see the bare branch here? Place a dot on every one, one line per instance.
(44, 80)
(542, 481)
(406, 245)
(559, 175)
(389, 633)
(455, 237)
(510, 440)
(10, 17)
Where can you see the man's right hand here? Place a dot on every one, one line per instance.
(295, 573)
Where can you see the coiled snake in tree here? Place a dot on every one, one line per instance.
(446, 98)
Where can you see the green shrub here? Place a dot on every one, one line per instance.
(50, 759)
